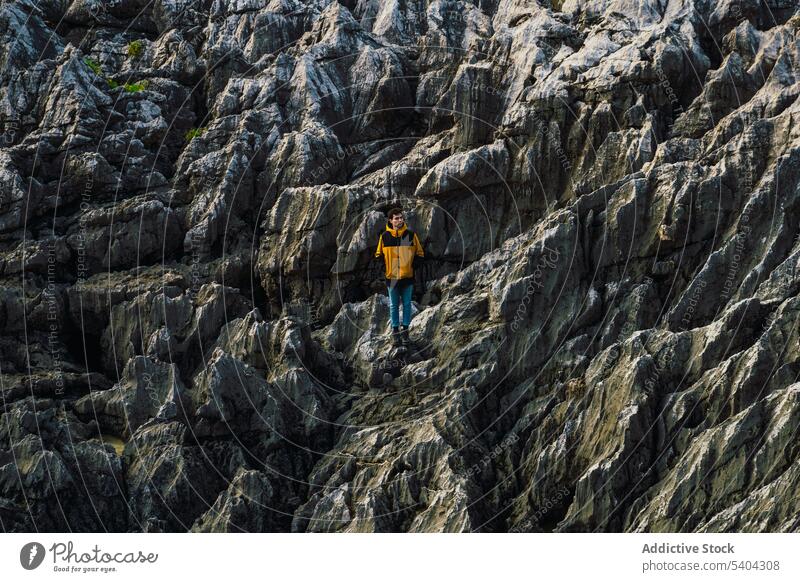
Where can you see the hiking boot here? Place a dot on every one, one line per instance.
(404, 339)
(397, 339)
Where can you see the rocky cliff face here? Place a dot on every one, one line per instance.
(194, 336)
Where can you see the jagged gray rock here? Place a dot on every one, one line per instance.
(195, 335)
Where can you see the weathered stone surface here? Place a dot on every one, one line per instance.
(194, 334)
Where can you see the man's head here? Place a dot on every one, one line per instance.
(396, 218)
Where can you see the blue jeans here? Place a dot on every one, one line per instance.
(400, 292)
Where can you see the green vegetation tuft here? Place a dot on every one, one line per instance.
(135, 87)
(135, 49)
(112, 84)
(195, 132)
(94, 66)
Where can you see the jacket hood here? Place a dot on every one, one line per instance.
(396, 232)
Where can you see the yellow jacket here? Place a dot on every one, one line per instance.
(399, 248)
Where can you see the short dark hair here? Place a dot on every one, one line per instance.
(394, 212)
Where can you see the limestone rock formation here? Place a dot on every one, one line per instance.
(194, 334)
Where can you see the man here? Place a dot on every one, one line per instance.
(400, 249)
